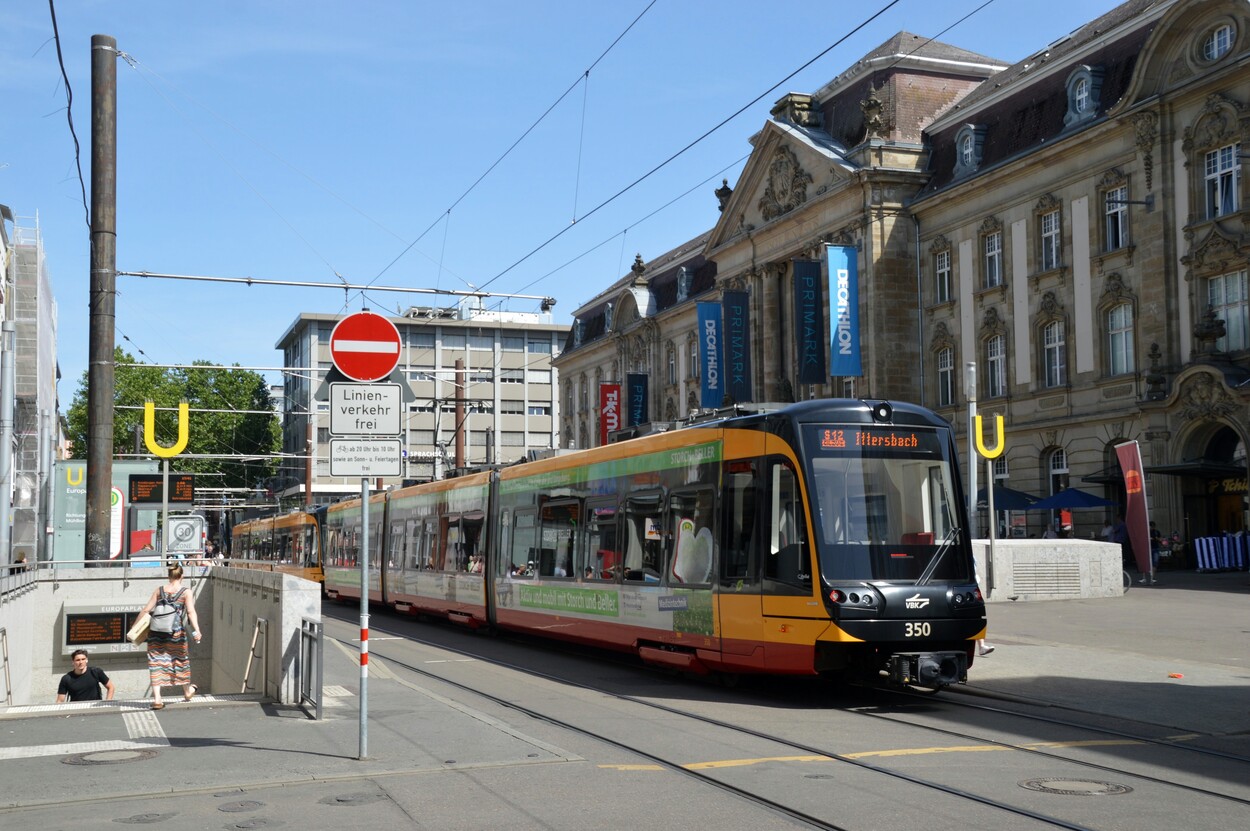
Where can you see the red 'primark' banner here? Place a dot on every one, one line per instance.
(609, 410)
(1137, 513)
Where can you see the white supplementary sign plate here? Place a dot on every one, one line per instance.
(366, 457)
(365, 410)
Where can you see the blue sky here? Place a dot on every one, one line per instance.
(300, 140)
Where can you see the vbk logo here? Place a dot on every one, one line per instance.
(916, 601)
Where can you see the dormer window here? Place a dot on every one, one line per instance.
(1218, 42)
(968, 143)
(1084, 86)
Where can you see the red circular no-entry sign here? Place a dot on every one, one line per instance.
(365, 346)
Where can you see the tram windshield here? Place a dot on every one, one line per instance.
(884, 504)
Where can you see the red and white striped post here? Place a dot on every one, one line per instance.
(364, 619)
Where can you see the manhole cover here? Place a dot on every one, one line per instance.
(252, 822)
(109, 757)
(1075, 787)
(144, 819)
(352, 799)
(817, 776)
(242, 805)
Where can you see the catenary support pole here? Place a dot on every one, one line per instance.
(103, 296)
(8, 342)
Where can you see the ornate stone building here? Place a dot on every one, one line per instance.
(1075, 224)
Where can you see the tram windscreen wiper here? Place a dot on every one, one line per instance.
(943, 547)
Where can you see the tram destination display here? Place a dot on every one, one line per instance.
(145, 488)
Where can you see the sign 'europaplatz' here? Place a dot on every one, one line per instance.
(365, 424)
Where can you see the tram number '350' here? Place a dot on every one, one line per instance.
(916, 630)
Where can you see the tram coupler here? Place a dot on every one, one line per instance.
(928, 669)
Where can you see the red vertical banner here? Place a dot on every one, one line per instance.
(609, 410)
(1137, 512)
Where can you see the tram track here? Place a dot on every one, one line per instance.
(810, 751)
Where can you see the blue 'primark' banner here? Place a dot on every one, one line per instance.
(809, 322)
(737, 317)
(844, 311)
(636, 399)
(711, 377)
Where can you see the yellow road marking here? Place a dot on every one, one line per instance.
(867, 754)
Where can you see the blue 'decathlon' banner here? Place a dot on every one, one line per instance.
(710, 376)
(636, 399)
(809, 322)
(844, 311)
(737, 316)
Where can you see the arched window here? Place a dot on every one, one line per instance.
(995, 366)
(1055, 354)
(1058, 469)
(946, 377)
(1120, 340)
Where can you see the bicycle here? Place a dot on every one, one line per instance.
(1128, 581)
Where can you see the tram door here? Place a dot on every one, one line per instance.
(785, 547)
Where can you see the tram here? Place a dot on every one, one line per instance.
(823, 537)
(289, 543)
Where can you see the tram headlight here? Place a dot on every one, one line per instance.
(882, 411)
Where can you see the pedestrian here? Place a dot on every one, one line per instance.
(169, 663)
(83, 682)
(1156, 546)
(1119, 534)
(1107, 530)
(983, 648)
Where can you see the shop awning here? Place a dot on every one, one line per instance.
(1207, 468)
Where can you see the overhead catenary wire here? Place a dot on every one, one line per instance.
(695, 142)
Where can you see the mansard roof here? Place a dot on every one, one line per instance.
(1023, 107)
(656, 292)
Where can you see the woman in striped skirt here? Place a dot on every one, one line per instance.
(169, 664)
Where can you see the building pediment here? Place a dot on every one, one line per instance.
(1215, 253)
(788, 168)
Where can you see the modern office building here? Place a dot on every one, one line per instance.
(480, 388)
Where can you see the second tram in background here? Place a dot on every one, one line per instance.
(289, 543)
(823, 537)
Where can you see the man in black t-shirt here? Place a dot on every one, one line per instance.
(82, 683)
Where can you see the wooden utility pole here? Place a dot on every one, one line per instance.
(103, 295)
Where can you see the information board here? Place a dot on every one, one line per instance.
(99, 628)
(145, 488)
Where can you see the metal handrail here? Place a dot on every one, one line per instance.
(310, 669)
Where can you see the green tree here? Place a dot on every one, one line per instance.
(231, 415)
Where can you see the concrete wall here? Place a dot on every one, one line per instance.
(17, 634)
(1040, 569)
(229, 602)
(256, 618)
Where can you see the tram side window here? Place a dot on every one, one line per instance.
(375, 544)
(691, 536)
(600, 552)
(555, 554)
(739, 506)
(429, 545)
(644, 537)
(521, 558)
(787, 558)
(471, 535)
(395, 546)
(456, 559)
(412, 545)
